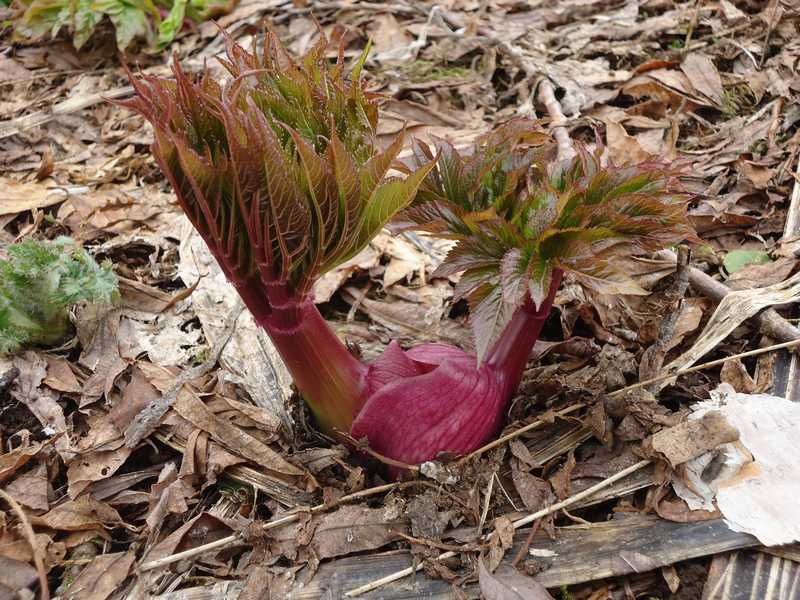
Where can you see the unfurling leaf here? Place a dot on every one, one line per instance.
(278, 169)
(518, 221)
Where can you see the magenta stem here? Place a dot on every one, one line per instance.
(331, 380)
(510, 353)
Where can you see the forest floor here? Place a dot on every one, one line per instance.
(201, 504)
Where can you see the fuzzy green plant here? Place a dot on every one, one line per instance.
(39, 283)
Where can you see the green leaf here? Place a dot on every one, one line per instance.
(737, 259)
(129, 18)
(171, 25)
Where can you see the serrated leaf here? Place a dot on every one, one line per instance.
(490, 314)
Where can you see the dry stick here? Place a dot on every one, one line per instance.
(237, 537)
(558, 122)
(31, 537)
(791, 229)
(769, 321)
(516, 524)
(516, 433)
(708, 365)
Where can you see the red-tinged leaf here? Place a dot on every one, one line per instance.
(489, 315)
(347, 179)
(375, 169)
(470, 254)
(515, 271)
(541, 277)
(383, 204)
(506, 583)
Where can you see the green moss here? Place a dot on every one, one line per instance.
(736, 99)
(427, 70)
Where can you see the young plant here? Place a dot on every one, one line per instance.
(157, 22)
(39, 284)
(280, 173)
(519, 224)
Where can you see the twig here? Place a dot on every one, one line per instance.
(516, 525)
(558, 122)
(523, 549)
(516, 433)
(770, 322)
(31, 537)
(237, 537)
(708, 365)
(363, 447)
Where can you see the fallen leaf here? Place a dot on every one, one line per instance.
(30, 489)
(734, 373)
(11, 462)
(15, 575)
(693, 437)
(703, 75)
(60, 376)
(506, 583)
(191, 408)
(79, 515)
(16, 197)
(101, 577)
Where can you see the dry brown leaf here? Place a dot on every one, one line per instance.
(534, 491)
(693, 437)
(79, 515)
(168, 496)
(506, 583)
(191, 408)
(16, 197)
(105, 355)
(31, 489)
(15, 576)
(735, 373)
(101, 577)
(11, 462)
(703, 75)
(500, 541)
(60, 376)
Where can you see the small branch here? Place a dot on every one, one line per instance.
(373, 585)
(31, 537)
(237, 537)
(769, 321)
(363, 447)
(708, 365)
(510, 436)
(148, 419)
(558, 122)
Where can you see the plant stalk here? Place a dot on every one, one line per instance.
(510, 353)
(331, 380)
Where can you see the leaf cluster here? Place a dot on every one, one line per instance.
(39, 283)
(157, 22)
(278, 169)
(519, 219)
